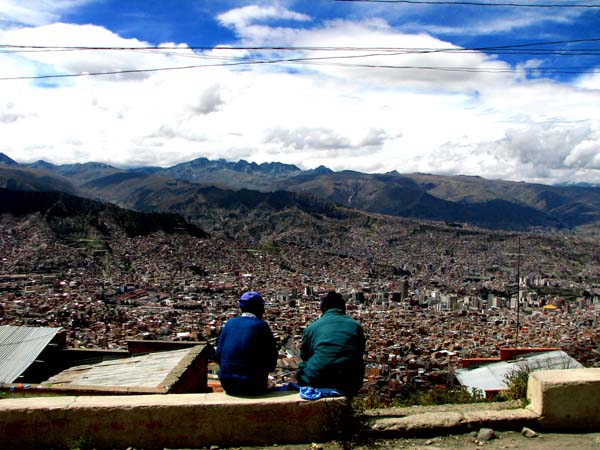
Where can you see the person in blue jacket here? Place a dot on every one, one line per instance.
(332, 349)
(246, 350)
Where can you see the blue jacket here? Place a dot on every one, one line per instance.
(246, 353)
(332, 353)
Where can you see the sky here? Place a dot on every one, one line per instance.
(507, 91)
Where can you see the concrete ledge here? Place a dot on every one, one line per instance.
(452, 420)
(566, 399)
(168, 421)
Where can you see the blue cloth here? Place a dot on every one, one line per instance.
(246, 353)
(311, 393)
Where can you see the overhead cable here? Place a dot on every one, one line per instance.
(21, 48)
(320, 60)
(461, 3)
(317, 61)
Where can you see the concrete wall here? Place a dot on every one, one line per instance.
(560, 400)
(168, 421)
(566, 399)
(191, 374)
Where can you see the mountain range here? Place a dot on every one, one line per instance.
(219, 195)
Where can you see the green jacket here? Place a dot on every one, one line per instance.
(332, 353)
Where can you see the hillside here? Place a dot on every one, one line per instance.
(86, 223)
(21, 178)
(243, 214)
(409, 196)
(207, 191)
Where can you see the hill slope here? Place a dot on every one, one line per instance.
(184, 189)
(77, 220)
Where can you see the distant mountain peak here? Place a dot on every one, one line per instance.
(41, 164)
(4, 159)
(321, 170)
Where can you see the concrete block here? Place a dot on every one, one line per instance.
(453, 420)
(416, 425)
(508, 419)
(566, 399)
(168, 421)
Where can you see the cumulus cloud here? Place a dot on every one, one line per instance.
(585, 154)
(35, 12)
(77, 62)
(311, 138)
(533, 152)
(589, 81)
(8, 113)
(404, 60)
(240, 18)
(368, 110)
(208, 101)
(375, 137)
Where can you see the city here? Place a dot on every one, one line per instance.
(428, 294)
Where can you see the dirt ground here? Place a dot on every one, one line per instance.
(504, 440)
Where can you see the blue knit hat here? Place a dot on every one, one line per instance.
(251, 298)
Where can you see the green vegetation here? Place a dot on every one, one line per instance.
(284, 265)
(272, 248)
(437, 395)
(516, 381)
(551, 291)
(440, 395)
(82, 443)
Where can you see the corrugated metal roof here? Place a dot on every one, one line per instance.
(492, 376)
(19, 347)
(139, 371)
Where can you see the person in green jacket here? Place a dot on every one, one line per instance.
(332, 349)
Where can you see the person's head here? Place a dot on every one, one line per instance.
(252, 302)
(332, 300)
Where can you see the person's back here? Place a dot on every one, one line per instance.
(246, 351)
(332, 350)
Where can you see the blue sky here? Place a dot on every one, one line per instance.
(376, 87)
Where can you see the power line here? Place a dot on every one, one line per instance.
(25, 48)
(318, 61)
(515, 49)
(321, 60)
(552, 70)
(460, 3)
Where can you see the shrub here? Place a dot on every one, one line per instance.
(516, 382)
(440, 395)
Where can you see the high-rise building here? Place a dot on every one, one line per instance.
(404, 291)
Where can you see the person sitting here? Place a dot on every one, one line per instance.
(332, 349)
(246, 349)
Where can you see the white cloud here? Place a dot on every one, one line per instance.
(208, 101)
(497, 125)
(240, 18)
(535, 152)
(504, 23)
(35, 12)
(585, 154)
(590, 81)
(307, 138)
(84, 61)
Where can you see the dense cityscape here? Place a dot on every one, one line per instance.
(427, 294)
